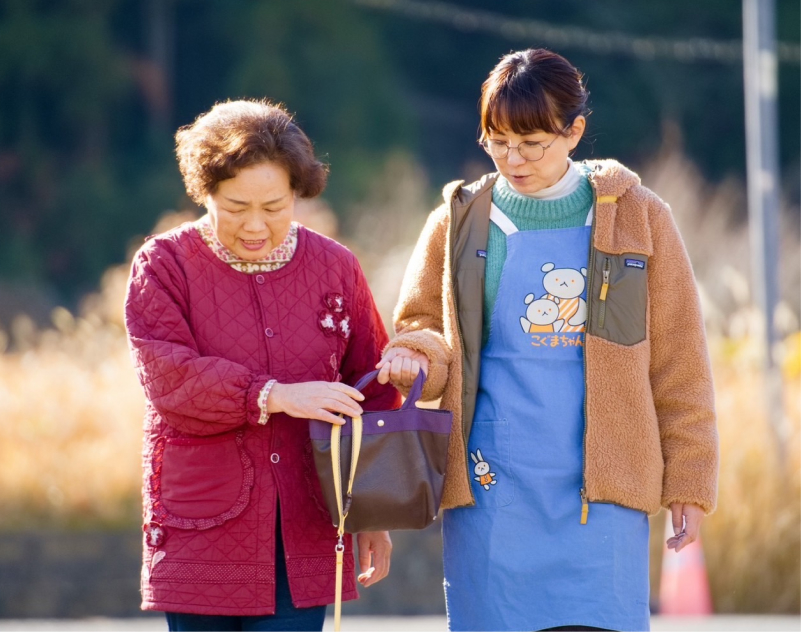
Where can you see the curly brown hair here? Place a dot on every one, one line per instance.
(239, 134)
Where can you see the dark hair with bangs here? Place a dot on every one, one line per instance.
(532, 90)
(238, 134)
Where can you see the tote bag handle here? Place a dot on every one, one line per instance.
(344, 506)
(414, 393)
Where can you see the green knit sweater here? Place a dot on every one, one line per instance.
(528, 214)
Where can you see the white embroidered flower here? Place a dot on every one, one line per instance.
(328, 322)
(344, 326)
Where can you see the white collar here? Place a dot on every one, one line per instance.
(566, 185)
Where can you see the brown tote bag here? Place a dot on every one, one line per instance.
(394, 464)
(401, 457)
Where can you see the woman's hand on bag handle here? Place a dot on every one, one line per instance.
(401, 365)
(375, 549)
(686, 519)
(315, 400)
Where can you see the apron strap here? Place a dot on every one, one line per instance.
(508, 227)
(502, 221)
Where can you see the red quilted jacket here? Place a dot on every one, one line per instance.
(205, 339)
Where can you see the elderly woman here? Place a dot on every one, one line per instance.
(244, 325)
(553, 306)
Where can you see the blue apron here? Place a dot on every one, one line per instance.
(521, 559)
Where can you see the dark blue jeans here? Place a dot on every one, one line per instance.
(286, 616)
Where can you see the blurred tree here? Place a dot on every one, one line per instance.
(89, 112)
(322, 59)
(93, 91)
(71, 181)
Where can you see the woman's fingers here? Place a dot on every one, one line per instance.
(316, 400)
(347, 390)
(406, 371)
(329, 417)
(343, 405)
(384, 372)
(401, 366)
(674, 541)
(686, 520)
(381, 561)
(677, 517)
(348, 397)
(375, 551)
(411, 368)
(397, 369)
(693, 515)
(387, 358)
(677, 521)
(403, 370)
(342, 399)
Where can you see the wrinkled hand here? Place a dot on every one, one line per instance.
(378, 546)
(401, 366)
(315, 400)
(686, 525)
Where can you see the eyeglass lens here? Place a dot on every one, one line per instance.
(528, 150)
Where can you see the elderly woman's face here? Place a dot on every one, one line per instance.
(251, 212)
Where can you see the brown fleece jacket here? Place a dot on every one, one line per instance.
(651, 438)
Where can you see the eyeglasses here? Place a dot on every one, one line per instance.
(528, 150)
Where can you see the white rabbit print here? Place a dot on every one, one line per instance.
(484, 477)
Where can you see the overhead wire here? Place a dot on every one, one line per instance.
(544, 33)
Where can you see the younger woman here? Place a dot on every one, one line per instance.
(553, 306)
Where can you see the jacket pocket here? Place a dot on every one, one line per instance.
(200, 482)
(619, 297)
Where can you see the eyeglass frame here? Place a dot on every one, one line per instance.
(483, 144)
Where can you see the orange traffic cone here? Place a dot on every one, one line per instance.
(684, 584)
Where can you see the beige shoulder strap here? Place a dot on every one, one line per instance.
(356, 445)
(502, 221)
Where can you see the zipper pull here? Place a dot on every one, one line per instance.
(604, 290)
(605, 286)
(585, 506)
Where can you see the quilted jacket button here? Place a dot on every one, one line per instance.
(259, 279)
(274, 457)
(269, 332)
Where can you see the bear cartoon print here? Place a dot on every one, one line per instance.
(564, 287)
(542, 315)
(561, 309)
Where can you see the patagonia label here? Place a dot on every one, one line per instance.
(635, 263)
(481, 253)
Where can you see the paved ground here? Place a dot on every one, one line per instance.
(418, 624)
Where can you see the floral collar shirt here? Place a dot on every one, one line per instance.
(276, 259)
